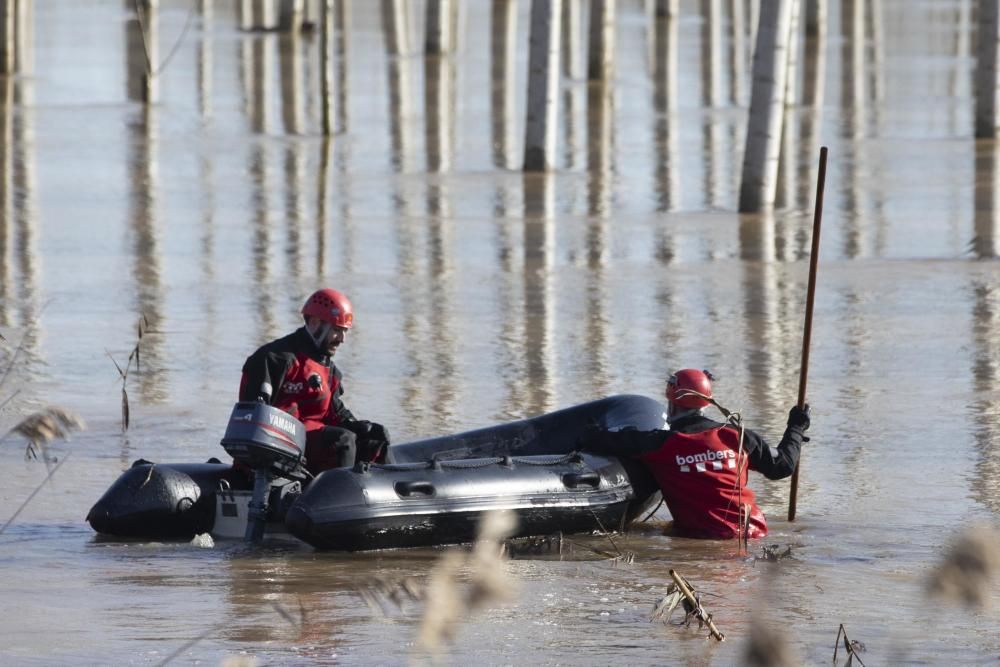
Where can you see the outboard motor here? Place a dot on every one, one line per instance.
(271, 443)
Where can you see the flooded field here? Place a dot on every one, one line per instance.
(484, 295)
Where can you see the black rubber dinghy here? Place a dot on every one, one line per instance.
(431, 491)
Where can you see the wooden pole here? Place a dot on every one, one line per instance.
(807, 329)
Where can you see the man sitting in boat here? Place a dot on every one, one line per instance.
(701, 465)
(296, 373)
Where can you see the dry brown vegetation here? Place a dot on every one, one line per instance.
(141, 327)
(447, 601)
(766, 647)
(966, 572)
(44, 426)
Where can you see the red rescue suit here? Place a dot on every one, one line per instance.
(306, 391)
(291, 373)
(699, 469)
(703, 477)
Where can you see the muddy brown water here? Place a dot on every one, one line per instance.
(484, 296)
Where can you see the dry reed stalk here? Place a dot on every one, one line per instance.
(447, 603)
(681, 593)
(142, 326)
(766, 647)
(852, 647)
(44, 426)
(965, 574)
(772, 553)
(240, 661)
(34, 493)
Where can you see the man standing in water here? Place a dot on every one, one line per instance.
(297, 374)
(701, 465)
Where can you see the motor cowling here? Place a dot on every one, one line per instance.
(262, 437)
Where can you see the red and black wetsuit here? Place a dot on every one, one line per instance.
(701, 474)
(293, 374)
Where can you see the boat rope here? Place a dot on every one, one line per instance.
(735, 420)
(556, 459)
(650, 515)
(473, 464)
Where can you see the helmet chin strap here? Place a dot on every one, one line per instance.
(320, 334)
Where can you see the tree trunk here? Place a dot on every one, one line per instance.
(543, 86)
(987, 69)
(767, 103)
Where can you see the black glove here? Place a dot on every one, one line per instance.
(378, 433)
(368, 431)
(798, 418)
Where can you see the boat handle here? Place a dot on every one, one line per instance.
(575, 479)
(410, 489)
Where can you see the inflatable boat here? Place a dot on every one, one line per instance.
(429, 492)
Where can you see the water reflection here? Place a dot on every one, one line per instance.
(439, 103)
(875, 48)
(740, 53)
(19, 281)
(23, 206)
(6, 196)
(600, 148)
(986, 385)
(711, 47)
(772, 304)
(205, 60)
(503, 76)
(811, 114)
(572, 54)
(506, 207)
(295, 170)
(396, 30)
(277, 598)
(143, 213)
(341, 22)
(143, 227)
(854, 393)
(259, 85)
(666, 129)
(292, 93)
(539, 293)
(852, 102)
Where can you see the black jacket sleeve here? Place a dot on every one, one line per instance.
(337, 407)
(625, 443)
(774, 463)
(263, 373)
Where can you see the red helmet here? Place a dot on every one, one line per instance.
(690, 388)
(330, 306)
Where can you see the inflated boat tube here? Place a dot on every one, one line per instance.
(552, 433)
(156, 500)
(441, 502)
